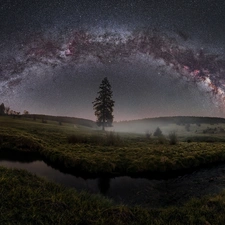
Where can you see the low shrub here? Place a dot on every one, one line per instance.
(158, 132)
(109, 139)
(173, 138)
(112, 139)
(75, 139)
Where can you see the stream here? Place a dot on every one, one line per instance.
(133, 191)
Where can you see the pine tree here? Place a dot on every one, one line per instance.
(103, 105)
(158, 132)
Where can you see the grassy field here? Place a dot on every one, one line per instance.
(94, 152)
(28, 199)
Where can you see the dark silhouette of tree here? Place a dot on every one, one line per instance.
(25, 112)
(103, 185)
(158, 132)
(2, 109)
(103, 105)
(7, 110)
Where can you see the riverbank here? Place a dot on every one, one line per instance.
(148, 193)
(88, 152)
(28, 199)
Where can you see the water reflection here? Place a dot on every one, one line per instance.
(104, 185)
(16, 156)
(127, 190)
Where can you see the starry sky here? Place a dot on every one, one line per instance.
(161, 57)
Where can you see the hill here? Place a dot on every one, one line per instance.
(63, 119)
(168, 123)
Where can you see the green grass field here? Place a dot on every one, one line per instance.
(94, 152)
(28, 199)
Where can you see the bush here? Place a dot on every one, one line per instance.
(173, 138)
(112, 139)
(74, 139)
(158, 132)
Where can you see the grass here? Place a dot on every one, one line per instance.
(105, 139)
(92, 152)
(28, 199)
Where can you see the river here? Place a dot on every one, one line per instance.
(127, 190)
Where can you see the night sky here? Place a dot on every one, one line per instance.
(161, 57)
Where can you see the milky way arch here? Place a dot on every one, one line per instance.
(76, 47)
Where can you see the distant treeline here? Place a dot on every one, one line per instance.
(179, 120)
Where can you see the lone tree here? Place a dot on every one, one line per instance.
(158, 132)
(103, 105)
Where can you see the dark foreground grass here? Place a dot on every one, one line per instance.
(84, 150)
(28, 199)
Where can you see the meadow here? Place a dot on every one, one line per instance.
(28, 199)
(86, 150)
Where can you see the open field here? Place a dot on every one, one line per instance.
(27, 199)
(89, 151)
